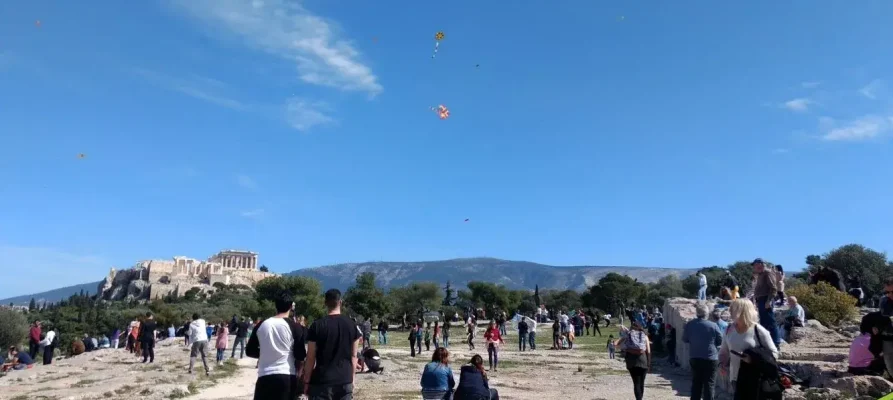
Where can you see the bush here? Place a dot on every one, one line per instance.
(827, 304)
(13, 328)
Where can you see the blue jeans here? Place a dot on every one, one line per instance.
(446, 342)
(220, 354)
(767, 318)
(702, 293)
(522, 341)
(502, 329)
(531, 338)
(382, 337)
(239, 341)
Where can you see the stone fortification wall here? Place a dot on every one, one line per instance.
(677, 312)
(159, 269)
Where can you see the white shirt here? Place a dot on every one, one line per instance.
(48, 339)
(531, 324)
(743, 341)
(198, 331)
(798, 312)
(563, 318)
(276, 341)
(702, 280)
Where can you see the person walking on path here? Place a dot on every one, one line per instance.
(222, 341)
(332, 343)
(493, 336)
(418, 337)
(637, 352)
(198, 336)
(367, 333)
(147, 338)
(611, 347)
(445, 333)
(412, 339)
(764, 292)
(523, 330)
(704, 339)
(470, 334)
(745, 334)
(278, 345)
(34, 340)
(437, 335)
(115, 339)
(242, 329)
(382, 332)
(428, 337)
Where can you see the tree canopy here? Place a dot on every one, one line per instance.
(366, 298)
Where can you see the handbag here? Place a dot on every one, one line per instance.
(770, 384)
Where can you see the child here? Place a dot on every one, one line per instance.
(611, 347)
(428, 337)
(222, 341)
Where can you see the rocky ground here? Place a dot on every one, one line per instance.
(582, 373)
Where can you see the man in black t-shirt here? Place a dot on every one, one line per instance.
(332, 343)
(241, 333)
(147, 338)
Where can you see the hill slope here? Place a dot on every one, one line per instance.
(52, 295)
(512, 274)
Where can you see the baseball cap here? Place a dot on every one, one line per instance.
(757, 261)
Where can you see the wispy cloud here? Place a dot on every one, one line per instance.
(287, 30)
(246, 182)
(253, 213)
(798, 105)
(873, 89)
(303, 114)
(863, 128)
(810, 84)
(197, 87)
(65, 268)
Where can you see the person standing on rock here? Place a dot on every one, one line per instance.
(704, 339)
(764, 291)
(732, 285)
(332, 343)
(34, 340)
(278, 345)
(49, 343)
(242, 329)
(702, 286)
(198, 336)
(147, 338)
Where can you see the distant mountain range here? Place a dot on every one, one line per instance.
(512, 274)
(52, 296)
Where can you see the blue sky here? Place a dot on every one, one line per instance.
(676, 134)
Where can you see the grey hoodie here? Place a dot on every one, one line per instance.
(198, 331)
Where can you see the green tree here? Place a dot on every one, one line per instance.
(857, 260)
(492, 297)
(665, 288)
(32, 305)
(564, 300)
(263, 268)
(614, 292)
(412, 298)
(306, 292)
(366, 298)
(13, 328)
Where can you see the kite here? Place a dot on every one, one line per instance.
(467, 219)
(442, 111)
(37, 23)
(82, 155)
(437, 38)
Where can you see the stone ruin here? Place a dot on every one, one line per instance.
(816, 353)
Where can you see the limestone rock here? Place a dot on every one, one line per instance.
(862, 386)
(814, 394)
(677, 312)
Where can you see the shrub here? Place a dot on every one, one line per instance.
(13, 328)
(827, 304)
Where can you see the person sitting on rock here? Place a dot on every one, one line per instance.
(795, 317)
(866, 350)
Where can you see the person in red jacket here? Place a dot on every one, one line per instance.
(34, 340)
(494, 340)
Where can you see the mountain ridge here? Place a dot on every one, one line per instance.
(459, 271)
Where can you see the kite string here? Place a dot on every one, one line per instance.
(436, 46)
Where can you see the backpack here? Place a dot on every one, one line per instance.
(771, 384)
(635, 343)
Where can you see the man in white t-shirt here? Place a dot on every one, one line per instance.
(278, 344)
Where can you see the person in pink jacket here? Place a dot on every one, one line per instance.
(222, 340)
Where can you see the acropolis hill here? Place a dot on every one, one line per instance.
(156, 279)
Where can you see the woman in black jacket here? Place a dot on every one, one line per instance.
(473, 382)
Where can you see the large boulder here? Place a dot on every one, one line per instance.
(677, 312)
(814, 394)
(854, 386)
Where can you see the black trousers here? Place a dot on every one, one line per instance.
(703, 378)
(412, 348)
(33, 349)
(48, 354)
(595, 326)
(638, 375)
(333, 392)
(277, 387)
(148, 350)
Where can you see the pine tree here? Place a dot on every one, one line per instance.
(32, 305)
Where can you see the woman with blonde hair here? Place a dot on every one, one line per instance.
(745, 334)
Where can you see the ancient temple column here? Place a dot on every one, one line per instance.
(254, 263)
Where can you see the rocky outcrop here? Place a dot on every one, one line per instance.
(873, 386)
(677, 312)
(126, 284)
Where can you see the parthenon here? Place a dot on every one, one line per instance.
(236, 259)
